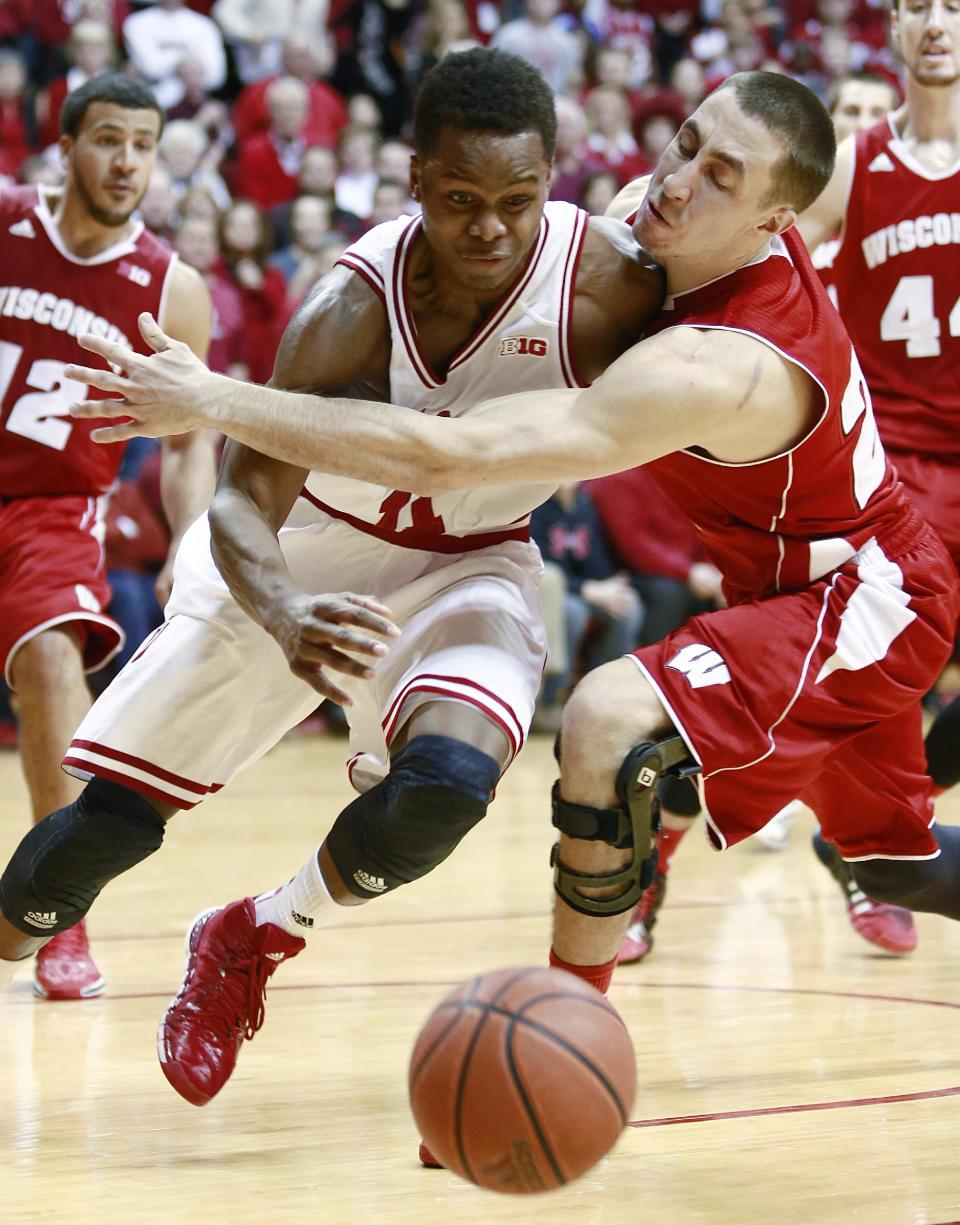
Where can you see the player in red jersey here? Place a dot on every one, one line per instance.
(842, 601)
(71, 262)
(896, 275)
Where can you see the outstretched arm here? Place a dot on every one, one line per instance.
(726, 392)
(188, 468)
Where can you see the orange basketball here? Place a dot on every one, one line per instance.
(522, 1079)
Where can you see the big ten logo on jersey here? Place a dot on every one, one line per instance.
(133, 272)
(523, 346)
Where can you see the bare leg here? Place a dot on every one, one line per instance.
(611, 710)
(52, 699)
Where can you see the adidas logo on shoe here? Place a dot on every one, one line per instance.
(44, 919)
(301, 920)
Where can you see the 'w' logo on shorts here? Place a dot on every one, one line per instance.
(701, 666)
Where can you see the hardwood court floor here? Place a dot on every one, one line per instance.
(787, 1073)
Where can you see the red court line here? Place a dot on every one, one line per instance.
(720, 1116)
(836, 995)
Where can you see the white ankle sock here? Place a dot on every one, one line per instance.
(301, 905)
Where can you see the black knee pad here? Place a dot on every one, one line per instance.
(437, 790)
(62, 864)
(943, 747)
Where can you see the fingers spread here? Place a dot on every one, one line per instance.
(110, 349)
(105, 380)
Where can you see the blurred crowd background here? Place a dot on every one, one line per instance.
(287, 136)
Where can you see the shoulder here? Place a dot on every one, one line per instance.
(338, 336)
(187, 308)
(616, 277)
(628, 199)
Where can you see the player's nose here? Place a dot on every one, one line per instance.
(487, 226)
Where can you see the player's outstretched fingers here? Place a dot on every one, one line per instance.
(104, 380)
(317, 649)
(153, 333)
(316, 679)
(116, 354)
(369, 613)
(116, 433)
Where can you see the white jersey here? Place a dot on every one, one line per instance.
(525, 345)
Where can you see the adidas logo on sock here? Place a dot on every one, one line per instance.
(274, 956)
(375, 884)
(44, 919)
(301, 920)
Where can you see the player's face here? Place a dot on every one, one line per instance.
(482, 195)
(927, 35)
(861, 104)
(110, 160)
(707, 193)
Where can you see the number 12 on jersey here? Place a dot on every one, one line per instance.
(40, 415)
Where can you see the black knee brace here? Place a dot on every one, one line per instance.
(62, 864)
(438, 788)
(943, 747)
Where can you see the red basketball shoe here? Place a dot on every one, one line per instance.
(638, 941)
(888, 927)
(64, 969)
(427, 1158)
(221, 999)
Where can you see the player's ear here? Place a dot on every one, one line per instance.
(65, 144)
(779, 221)
(414, 178)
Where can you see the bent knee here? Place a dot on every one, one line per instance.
(47, 659)
(891, 880)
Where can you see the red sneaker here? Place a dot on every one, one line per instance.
(64, 969)
(221, 999)
(638, 940)
(427, 1158)
(888, 927)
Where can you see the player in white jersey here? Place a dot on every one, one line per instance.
(489, 291)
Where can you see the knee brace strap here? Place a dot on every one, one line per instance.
(632, 825)
(438, 788)
(63, 862)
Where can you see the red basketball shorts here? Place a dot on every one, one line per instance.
(52, 573)
(815, 695)
(934, 488)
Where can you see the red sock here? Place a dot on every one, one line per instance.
(596, 976)
(667, 844)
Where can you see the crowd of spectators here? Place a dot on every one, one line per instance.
(288, 124)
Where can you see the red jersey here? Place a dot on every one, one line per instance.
(778, 524)
(898, 288)
(47, 297)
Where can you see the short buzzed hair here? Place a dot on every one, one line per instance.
(484, 90)
(794, 114)
(108, 86)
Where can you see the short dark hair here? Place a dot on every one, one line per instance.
(796, 115)
(109, 86)
(484, 90)
(856, 78)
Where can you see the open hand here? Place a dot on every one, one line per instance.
(163, 394)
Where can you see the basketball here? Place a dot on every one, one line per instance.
(522, 1079)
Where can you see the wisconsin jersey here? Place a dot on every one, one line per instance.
(48, 296)
(779, 524)
(524, 345)
(897, 276)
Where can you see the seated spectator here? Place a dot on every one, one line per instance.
(309, 225)
(270, 162)
(569, 169)
(318, 175)
(41, 169)
(540, 39)
(184, 150)
(568, 532)
(687, 82)
(599, 191)
(656, 123)
(657, 544)
(158, 208)
(255, 31)
(393, 161)
(610, 141)
(159, 37)
(308, 61)
(51, 22)
(244, 248)
(613, 67)
(18, 129)
(199, 202)
(211, 115)
(357, 179)
(391, 200)
(198, 244)
(332, 247)
(628, 26)
(447, 29)
(90, 49)
(363, 112)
